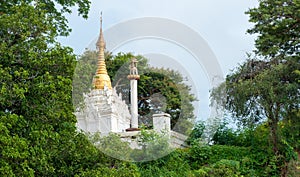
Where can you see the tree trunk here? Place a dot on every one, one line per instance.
(274, 119)
(274, 135)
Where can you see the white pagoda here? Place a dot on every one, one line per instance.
(104, 111)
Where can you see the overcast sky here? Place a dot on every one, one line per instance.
(221, 23)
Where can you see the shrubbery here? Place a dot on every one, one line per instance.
(199, 160)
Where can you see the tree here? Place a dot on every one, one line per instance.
(55, 10)
(277, 24)
(268, 87)
(225, 135)
(261, 91)
(196, 133)
(38, 134)
(265, 88)
(158, 89)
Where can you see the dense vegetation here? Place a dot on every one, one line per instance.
(37, 126)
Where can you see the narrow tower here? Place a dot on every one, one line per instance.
(101, 77)
(133, 77)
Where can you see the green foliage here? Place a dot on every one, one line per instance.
(223, 167)
(83, 76)
(225, 136)
(167, 84)
(125, 170)
(55, 10)
(290, 129)
(277, 25)
(13, 149)
(293, 168)
(219, 160)
(38, 134)
(197, 133)
(199, 155)
(243, 137)
(172, 165)
(257, 141)
(260, 138)
(154, 146)
(198, 160)
(112, 146)
(268, 90)
(261, 91)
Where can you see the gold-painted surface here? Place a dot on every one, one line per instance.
(101, 78)
(133, 77)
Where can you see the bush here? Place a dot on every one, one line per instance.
(125, 170)
(223, 167)
(172, 165)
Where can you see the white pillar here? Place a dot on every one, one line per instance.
(133, 77)
(134, 104)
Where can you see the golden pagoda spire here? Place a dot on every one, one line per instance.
(101, 78)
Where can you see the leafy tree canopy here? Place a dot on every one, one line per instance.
(53, 12)
(277, 24)
(38, 135)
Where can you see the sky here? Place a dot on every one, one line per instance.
(220, 25)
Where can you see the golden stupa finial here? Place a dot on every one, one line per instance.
(101, 78)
